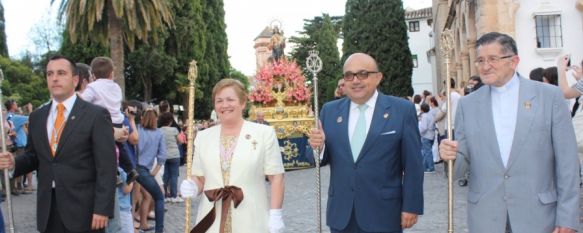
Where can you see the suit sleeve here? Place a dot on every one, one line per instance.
(566, 164)
(462, 162)
(28, 162)
(324, 153)
(412, 164)
(105, 163)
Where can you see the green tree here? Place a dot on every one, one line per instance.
(236, 74)
(320, 33)
(377, 27)
(3, 46)
(22, 84)
(186, 42)
(114, 23)
(215, 64)
(83, 51)
(149, 66)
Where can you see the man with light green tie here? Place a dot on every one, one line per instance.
(373, 146)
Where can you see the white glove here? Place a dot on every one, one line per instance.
(276, 221)
(188, 189)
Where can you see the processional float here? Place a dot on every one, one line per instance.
(314, 65)
(446, 42)
(6, 173)
(192, 75)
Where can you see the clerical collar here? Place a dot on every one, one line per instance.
(509, 85)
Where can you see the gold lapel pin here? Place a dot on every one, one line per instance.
(72, 117)
(386, 115)
(254, 144)
(527, 105)
(339, 119)
(247, 136)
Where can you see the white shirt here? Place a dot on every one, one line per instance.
(455, 97)
(105, 93)
(69, 102)
(504, 113)
(354, 113)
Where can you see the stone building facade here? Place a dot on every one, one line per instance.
(543, 30)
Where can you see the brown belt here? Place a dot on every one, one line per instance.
(226, 194)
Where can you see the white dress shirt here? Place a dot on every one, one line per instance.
(504, 113)
(68, 103)
(105, 93)
(354, 112)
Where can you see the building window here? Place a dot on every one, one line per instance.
(415, 62)
(548, 31)
(414, 26)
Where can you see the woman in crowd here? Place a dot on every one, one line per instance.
(172, 164)
(230, 163)
(151, 146)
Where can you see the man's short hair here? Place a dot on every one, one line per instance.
(101, 67)
(508, 44)
(74, 70)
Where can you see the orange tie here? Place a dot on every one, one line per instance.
(57, 128)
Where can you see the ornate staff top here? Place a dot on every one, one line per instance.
(446, 42)
(192, 72)
(313, 62)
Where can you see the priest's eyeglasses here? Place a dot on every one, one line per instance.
(490, 60)
(361, 75)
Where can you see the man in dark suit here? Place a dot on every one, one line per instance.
(260, 118)
(71, 146)
(373, 146)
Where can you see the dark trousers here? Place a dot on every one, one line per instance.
(124, 161)
(170, 177)
(55, 224)
(149, 183)
(353, 227)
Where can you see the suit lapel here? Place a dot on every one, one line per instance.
(484, 110)
(377, 124)
(342, 123)
(72, 121)
(42, 124)
(527, 106)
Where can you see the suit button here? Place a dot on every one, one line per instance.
(505, 198)
(354, 167)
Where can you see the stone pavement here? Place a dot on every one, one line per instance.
(299, 206)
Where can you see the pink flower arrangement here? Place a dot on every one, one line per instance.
(288, 74)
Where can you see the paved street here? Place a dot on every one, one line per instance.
(299, 210)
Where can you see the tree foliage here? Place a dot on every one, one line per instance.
(377, 27)
(22, 84)
(3, 46)
(116, 23)
(320, 33)
(215, 64)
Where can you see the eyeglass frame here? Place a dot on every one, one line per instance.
(492, 60)
(365, 74)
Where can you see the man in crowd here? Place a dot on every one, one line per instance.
(71, 146)
(515, 138)
(373, 146)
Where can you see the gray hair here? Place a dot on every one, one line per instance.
(508, 44)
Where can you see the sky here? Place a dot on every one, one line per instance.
(245, 19)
